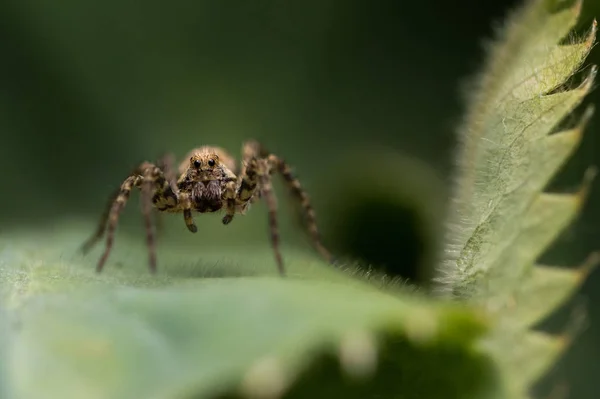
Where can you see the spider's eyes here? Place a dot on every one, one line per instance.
(211, 162)
(197, 163)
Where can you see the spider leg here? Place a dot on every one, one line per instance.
(167, 164)
(248, 178)
(99, 233)
(255, 179)
(267, 192)
(148, 181)
(158, 221)
(113, 216)
(146, 177)
(294, 184)
(171, 191)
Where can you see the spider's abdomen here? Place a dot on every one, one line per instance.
(206, 196)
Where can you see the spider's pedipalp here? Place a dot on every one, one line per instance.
(230, 202)
(186, 205)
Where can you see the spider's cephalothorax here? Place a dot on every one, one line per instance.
(209, 180)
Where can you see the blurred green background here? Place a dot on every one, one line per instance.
(362, 97)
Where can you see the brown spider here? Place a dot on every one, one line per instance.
(207, 183)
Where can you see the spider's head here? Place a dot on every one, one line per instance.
(204, 166)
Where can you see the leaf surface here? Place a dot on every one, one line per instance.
(123, 333)
(513, 141)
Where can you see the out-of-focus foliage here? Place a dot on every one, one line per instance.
(388, 193)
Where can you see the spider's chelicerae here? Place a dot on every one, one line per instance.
(209, 180)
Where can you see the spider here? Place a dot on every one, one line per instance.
(209, 181)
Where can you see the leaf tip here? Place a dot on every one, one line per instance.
(563, 341)
(592, 34)
(588, 178)
(589, 80)
(577, 7)
(590, 109)
(577, 323)
(588, 266)
(590, 38)
(358, 354)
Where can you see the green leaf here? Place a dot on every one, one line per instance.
(6, 385)
(125, 334)
(509, 155)
(552, 285)
(539, 291)
(513, 141)
(517, 161)
(531, 354)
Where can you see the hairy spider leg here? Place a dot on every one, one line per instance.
(266, 188)
(99, 233)
(153, 177)
(113, 216)
(253, 149)
(248, 179)
(293, 183)
(166, 163)
(248, 186)
(148, 181)
(159, 222)
(255, 177)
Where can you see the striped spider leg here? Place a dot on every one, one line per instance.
(257, 168)
(156, 187)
